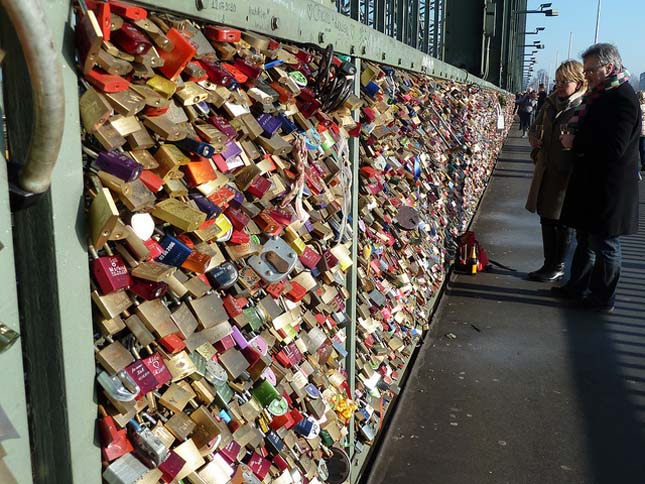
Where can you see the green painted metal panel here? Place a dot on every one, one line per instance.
(353, 277)
(12, 396)
(463, 34)
(53, 281)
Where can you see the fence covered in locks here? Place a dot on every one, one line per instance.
(269, 227)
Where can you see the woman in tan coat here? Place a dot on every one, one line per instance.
(553, 166)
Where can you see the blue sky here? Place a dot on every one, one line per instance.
(622, 23)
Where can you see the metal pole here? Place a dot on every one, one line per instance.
(425, 45)
(570, 41)
(400, 20)
(595, 39)
(379, 12)
(437, 27)
(354, 9)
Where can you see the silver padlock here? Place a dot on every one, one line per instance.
(276, 260)
(121, 387)
(125, 470)
(7, 337)
(148, 446)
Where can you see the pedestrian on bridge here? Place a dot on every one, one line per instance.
(602, 198)
(553, 167)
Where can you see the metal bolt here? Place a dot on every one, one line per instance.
(352, 50)
(399, 61)
(199, 4)
(321, 37)
(275, 23)
(383, 56)
(363, 50)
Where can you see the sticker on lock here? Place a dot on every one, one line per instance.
(276, 261)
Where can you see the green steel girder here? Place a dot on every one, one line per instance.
(52, 278)
(17, 463)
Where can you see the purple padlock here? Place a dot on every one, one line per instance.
(239, 338)
(223, 126)
(270, 124)
(231, 150)
(118, 164)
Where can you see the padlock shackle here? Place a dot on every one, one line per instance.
(46, 76)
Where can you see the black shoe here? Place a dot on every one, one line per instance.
(564, 292)
(546, 274)
(589, 305)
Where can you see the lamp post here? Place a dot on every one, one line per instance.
(595, 39)
(537, 31)
(545, 9)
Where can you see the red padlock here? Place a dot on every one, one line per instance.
(275, 290)
(232, 306)
(172, 343)
(222, 34)
(177, 59)
(171, 466)
(296, 292)
(309, 258)
(106, 82)
(129, 12)
(239, 237)
(152, 181)
(114, 442)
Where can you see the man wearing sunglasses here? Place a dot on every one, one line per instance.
(602, 197)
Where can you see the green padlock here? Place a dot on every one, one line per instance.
(265, 393)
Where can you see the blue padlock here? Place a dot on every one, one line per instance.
(223, 276)
(198, 147)
(371, 89)
(288, 126)
(205, 205)
(174, 253)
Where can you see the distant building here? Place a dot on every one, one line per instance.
(642, 83)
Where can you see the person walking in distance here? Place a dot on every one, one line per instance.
(553, 166)
(602, 198)
(525, 108)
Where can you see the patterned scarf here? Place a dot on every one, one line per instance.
(611, 82)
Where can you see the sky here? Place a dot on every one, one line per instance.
(622, 23)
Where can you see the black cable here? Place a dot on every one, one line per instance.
(331, 85)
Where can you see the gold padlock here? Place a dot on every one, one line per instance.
(179, 215)
(95, 110)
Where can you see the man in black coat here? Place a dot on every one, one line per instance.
(602, 197)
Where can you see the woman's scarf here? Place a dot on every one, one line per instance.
(611, 82)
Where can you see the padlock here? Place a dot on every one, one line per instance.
(275, 261)
(110, 272)
(120, 387)
(95, 109)
(126, 469)
(89, 37)
(178, 58)
(107, 83)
